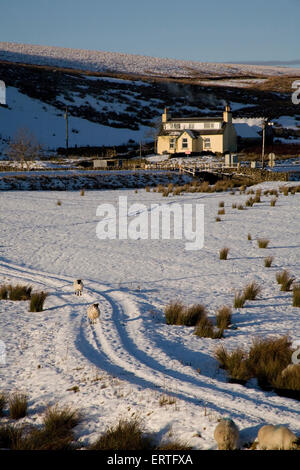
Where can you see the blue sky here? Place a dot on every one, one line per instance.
(212, 31)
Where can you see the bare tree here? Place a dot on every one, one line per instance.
(24, 148)
(153, 131)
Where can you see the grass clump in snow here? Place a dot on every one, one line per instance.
(249, 236)
(263, 242)
(166, 400)
(268, 261)
(18, 404)
(235, 363)
(3, 400)
(58, 203)
(221, 211)
(273, 202)
(205, 329)
(284, 278)
(9, 436)
(240, 207)
(126, 435)
(60, 419)
(37, 301)
(223, 317)
(218, 219)
(239, 300)
(221, 204)
(251, 291)
(82, 192)
(224, 253)
(234, 205)
(17, 292)
(296, 295)
(177, 314)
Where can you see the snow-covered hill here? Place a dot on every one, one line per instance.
(99, 61)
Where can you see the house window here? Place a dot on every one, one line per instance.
(209, 125)
(207, 144)
(175, 125)
(184, 143)
(172, 143)
(191, 126)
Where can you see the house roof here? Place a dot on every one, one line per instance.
(196, 119)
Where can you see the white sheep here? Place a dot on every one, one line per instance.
(93, 313)
(227, 435)
(276, 438)
(78, 287)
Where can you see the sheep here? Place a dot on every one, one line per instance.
(78, 287)
(93, 313)
(227, 435)
(276, 438)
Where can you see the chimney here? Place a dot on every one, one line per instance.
(227, 116)
(165, 115)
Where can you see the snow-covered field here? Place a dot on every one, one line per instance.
(100, 61)
(131, 358)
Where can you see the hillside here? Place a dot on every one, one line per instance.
(116, 97)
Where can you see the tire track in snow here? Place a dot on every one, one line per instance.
(123, 350)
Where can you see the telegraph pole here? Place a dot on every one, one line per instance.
(263, 142)
(67, 127)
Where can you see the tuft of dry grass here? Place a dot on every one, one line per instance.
(3, 400)
(284, 278)
(268, 261)
(177, 314)
(205, 329)
(251, 291)
(126, 435)
(82, 192)
(221, 211)
(166, 400)
(58, 203)
(296, 295)
(223, 317)
(9, 436)
(218, 219)
(249, 202)
(17, 292)
(235, 363)
(249, 236)
(224, 253)
(240, 207)
(263, 242)
(37, 301)
(273, 202)
(18, 404)
(239, 300)
(221, 204)
(3, 292)
(60, 420)
(234, 205)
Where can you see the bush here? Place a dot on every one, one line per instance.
(285, 280)
(251, 291)
(239, 300)
(205, 329)
(223, 317)
(126, 435)
(224, 253)
(18, 405)
(296, 295)
(268, 261)
(263, 243)
(37, 301)
(235, 363)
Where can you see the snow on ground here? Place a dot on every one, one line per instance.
(131, 358)
(100, 61)
(48, 125)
